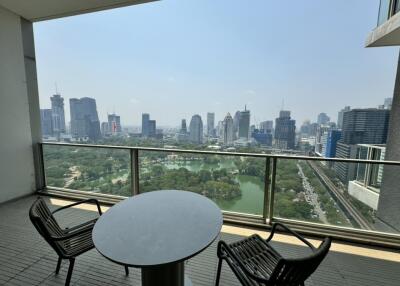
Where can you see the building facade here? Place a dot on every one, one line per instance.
(46, 121)
(285, 131)
(228, 133)
(196, 129)
(85, 124)
(58, 116)
(244, 124)
(210, 124)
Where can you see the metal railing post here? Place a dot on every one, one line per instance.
(134, 166)
(42, 184)
(272, 191)
(267, 183)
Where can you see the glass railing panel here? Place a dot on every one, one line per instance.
(235, 183)
(331, 193)
(99, 170)
(384, 11)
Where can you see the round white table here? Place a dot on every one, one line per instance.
(157, 231)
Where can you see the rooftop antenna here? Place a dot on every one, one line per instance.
(55, 83)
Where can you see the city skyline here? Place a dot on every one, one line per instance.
(236, 63)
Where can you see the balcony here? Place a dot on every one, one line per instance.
(26, 259)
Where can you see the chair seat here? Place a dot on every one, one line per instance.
(257, 256)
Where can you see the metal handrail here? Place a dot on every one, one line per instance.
(240, 154)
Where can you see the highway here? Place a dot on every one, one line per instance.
(348, 208)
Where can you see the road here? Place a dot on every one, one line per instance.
(349, 209)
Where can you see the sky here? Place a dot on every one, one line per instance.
(176, 58)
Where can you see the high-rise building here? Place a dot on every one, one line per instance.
(114, 124)
(104, 129)
(333, 137)
(210, 124)
(340, 116)
(182, 136)
(360, 126)
(365, 126)
(145, 124)
(58, 117)
(387, 104)
(236, 125)
(46, 121)
(228, 130)
(85, 124)
(285, 131)
(244, 124)
(323, 118)
(152, 128)
(196, 129)
(267, 126)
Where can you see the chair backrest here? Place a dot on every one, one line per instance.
(45, 223)
(296, 271)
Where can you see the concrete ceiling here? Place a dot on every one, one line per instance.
(38, 10)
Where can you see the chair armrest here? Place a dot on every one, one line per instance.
(295, 234)
(78, 203)
(223, 244)
(71, 234)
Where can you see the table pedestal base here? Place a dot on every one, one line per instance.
(166, 275)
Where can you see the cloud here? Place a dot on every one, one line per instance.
(250, 92)
(134, 100)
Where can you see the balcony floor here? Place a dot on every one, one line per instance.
(26, 259)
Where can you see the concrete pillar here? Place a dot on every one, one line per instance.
(19, 107)
(388, 213)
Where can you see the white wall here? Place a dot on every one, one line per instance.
(363, 194)
(17, 173)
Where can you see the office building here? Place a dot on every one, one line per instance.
(360, 126)
(262, 138)
(196, 129)
(323, 118)
(85, 124)
(114, 124)
(228, 134)
(46, 121)
(236, 118)
(333, 137)
(182, 135)
(152, 128)
(145, 124)
(340, 116)
(244, 124)
(210, 124)
(387, 104)
(267, 126)
(104, 129)
(285, 131)
(58, 116)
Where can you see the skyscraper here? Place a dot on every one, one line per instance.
(228, 130)
(244, 124)
(210, 124)
(196, 129)
(58, 117)
(388, 103)
(236, 125)
(145, 124)
(46, 121)
(151, 124)
(323, 118)
(182, 136)
(360, 126)
(340, 116)
(114, 124)
(285, 129)
(266, 126)
(84, 119)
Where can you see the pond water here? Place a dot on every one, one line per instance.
(252, 199)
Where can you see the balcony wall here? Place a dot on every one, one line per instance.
(17, 172)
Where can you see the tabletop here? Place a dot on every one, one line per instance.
(157, 228)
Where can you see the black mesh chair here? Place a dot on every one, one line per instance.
(255, 262)
(68, 243)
